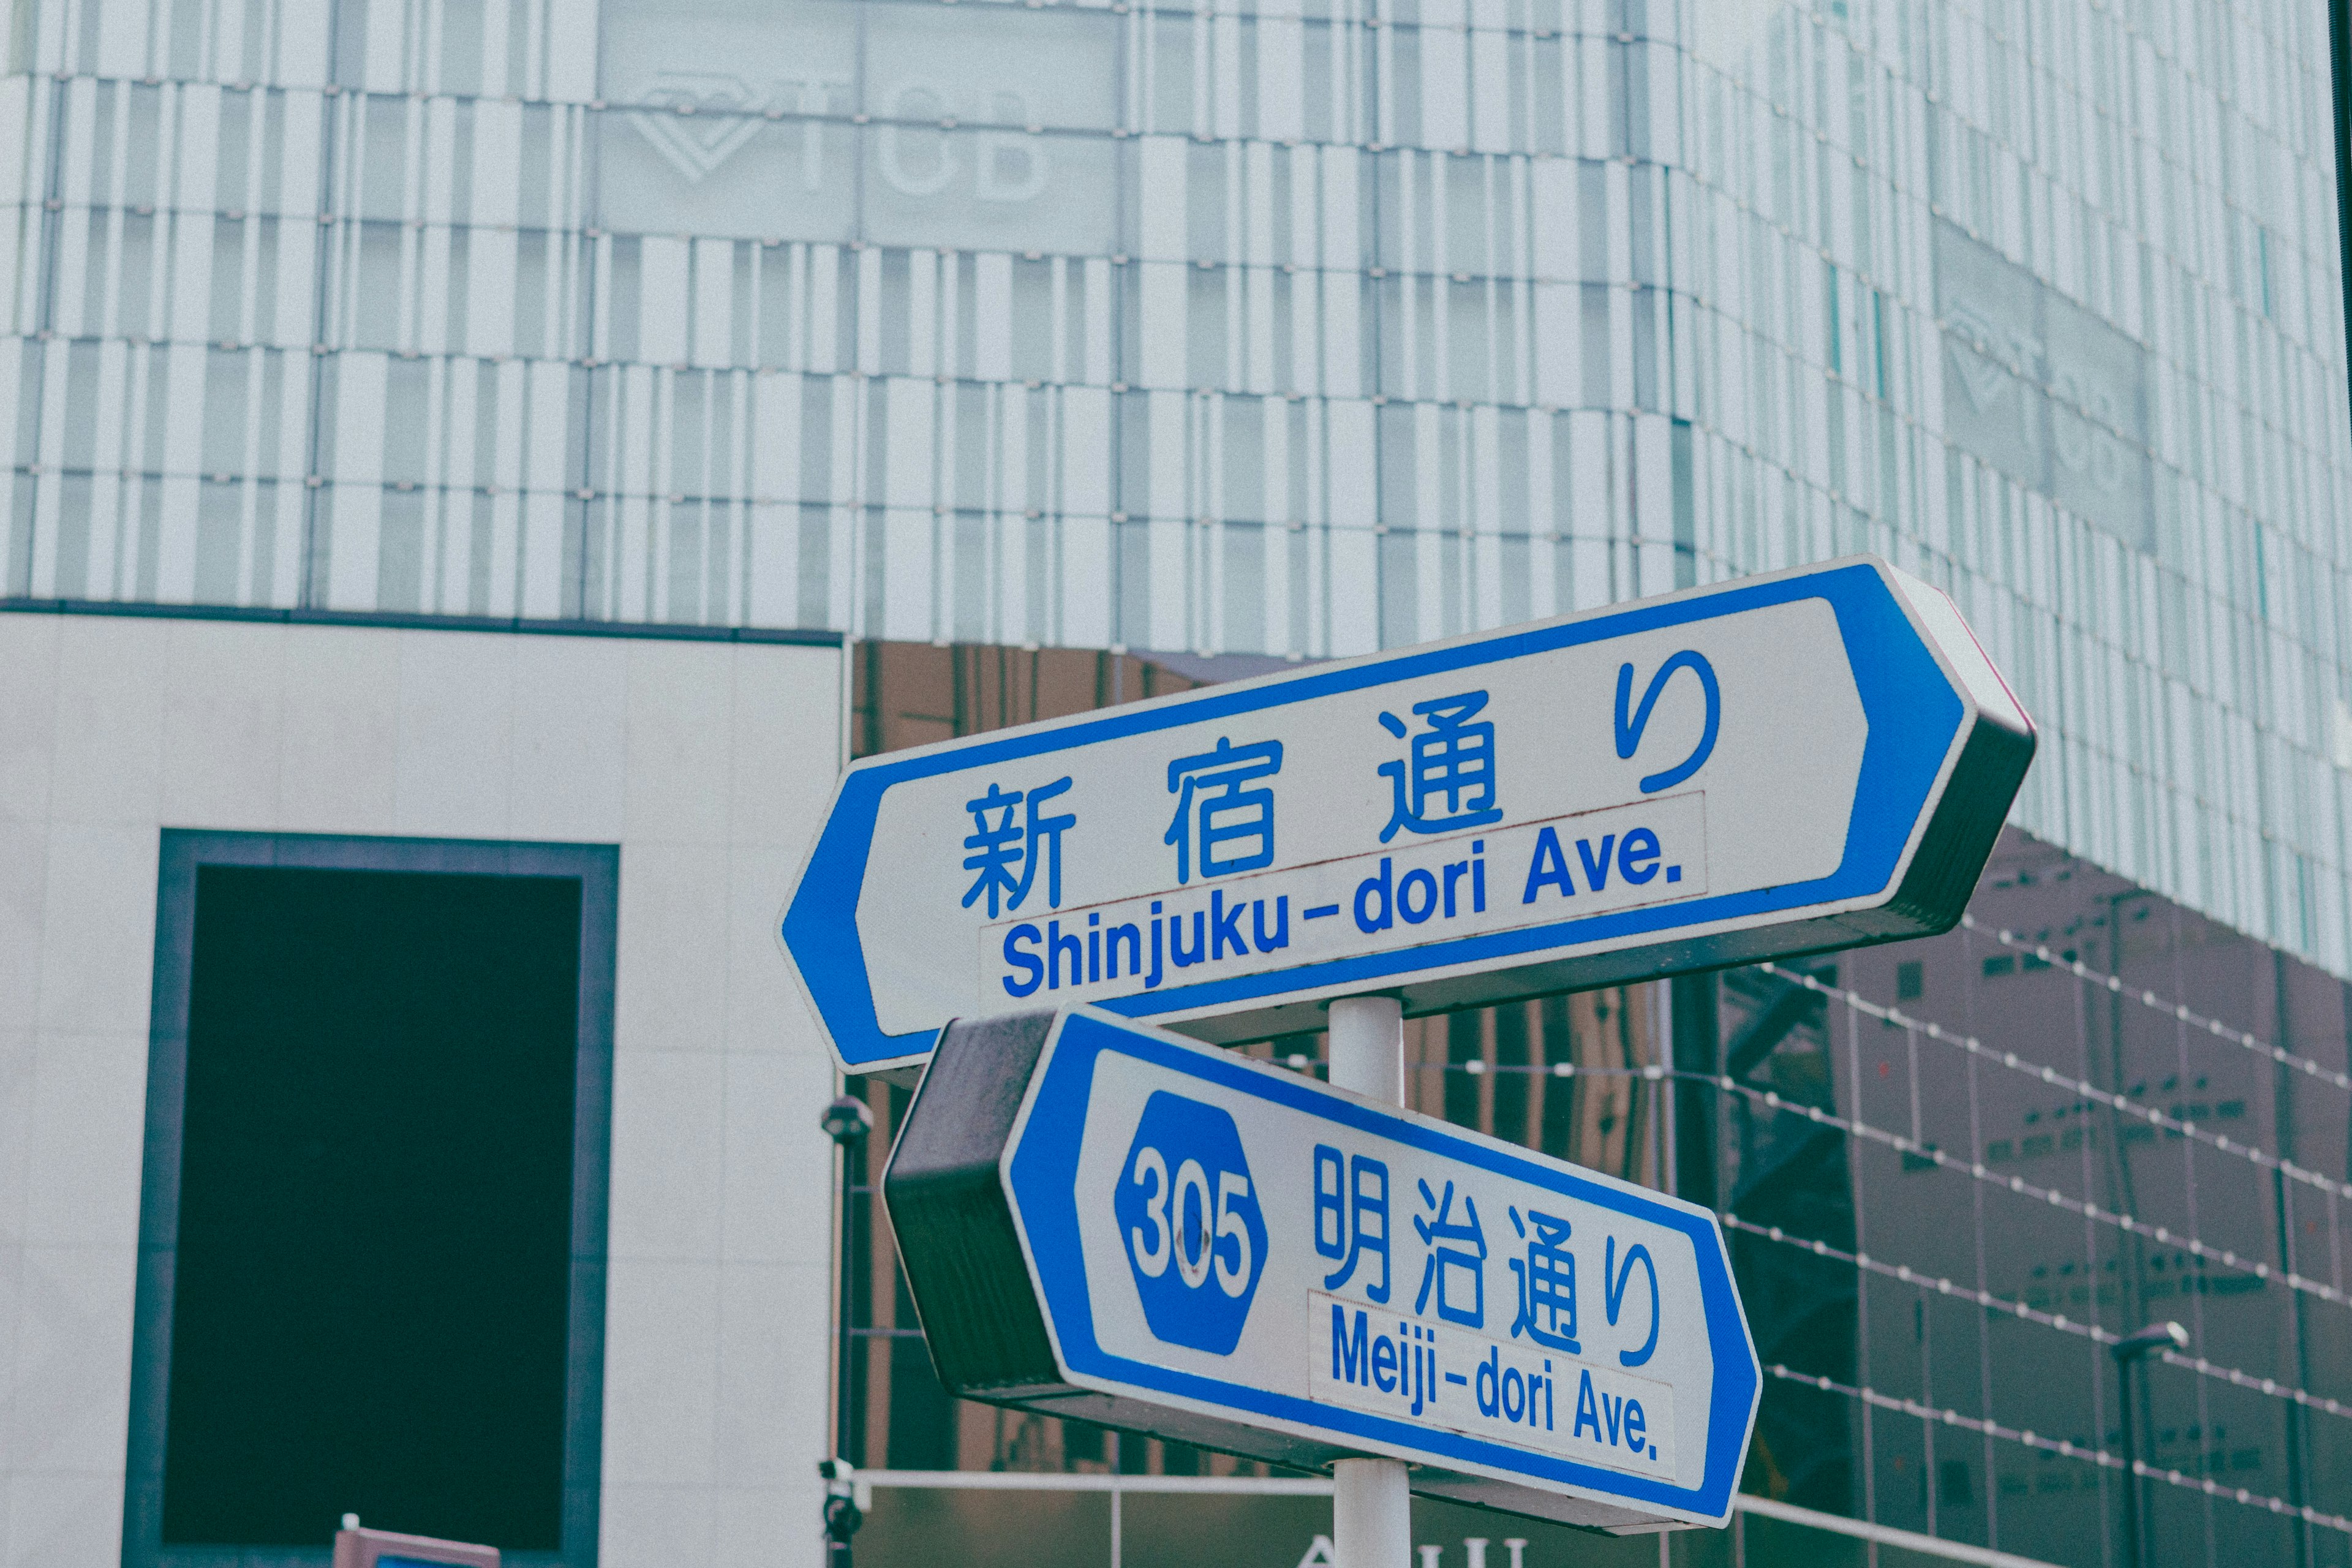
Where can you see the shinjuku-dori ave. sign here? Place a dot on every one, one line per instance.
(1814, 759)
(1107, 1221)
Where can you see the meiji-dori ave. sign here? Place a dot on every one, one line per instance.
(1110, 1222)
(1813, 759)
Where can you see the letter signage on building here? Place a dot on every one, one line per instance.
(1111, 1222)
(1813, 759)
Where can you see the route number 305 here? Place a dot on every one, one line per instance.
(1190, 1240)
(1187, 1212)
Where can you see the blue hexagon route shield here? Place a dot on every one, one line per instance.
(1195, 1240)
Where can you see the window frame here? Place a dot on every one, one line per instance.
(184, 851)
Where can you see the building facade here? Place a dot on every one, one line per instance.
(1290, 329)
(1953, 1171)
(1294, 328)
(398, 1090)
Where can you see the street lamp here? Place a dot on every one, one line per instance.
(2129, 1351)
(846, 1121)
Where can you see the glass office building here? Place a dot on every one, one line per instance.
(1300, 328)
(1296, 327)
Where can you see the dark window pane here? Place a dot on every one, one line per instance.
(375, 1224)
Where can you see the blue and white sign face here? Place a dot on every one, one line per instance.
(1713, 778)
(1212, 1234)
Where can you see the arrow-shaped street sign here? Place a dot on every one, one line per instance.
(1109, 1222)
(1819, 758)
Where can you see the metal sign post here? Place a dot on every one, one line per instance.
(849, 1123)
(1814, 759)
(1109, 1222)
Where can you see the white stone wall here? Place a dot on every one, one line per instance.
(706, 761)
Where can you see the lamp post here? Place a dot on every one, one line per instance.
(846, 1121)
(2129, 1351)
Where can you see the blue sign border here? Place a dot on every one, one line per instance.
(1910, 705)
(1044, 1172)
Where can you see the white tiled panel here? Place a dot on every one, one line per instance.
(706, 761)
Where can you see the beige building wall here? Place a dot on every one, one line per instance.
(707, 761)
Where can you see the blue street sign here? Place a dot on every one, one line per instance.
(1107, 1221)
(1815, 758)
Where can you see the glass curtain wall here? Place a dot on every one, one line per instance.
(1291, 327)
(1952, 1172)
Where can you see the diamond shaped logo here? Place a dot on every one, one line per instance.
(709, 118)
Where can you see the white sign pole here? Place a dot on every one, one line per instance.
(1368, 1047)
(1371, 1499)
